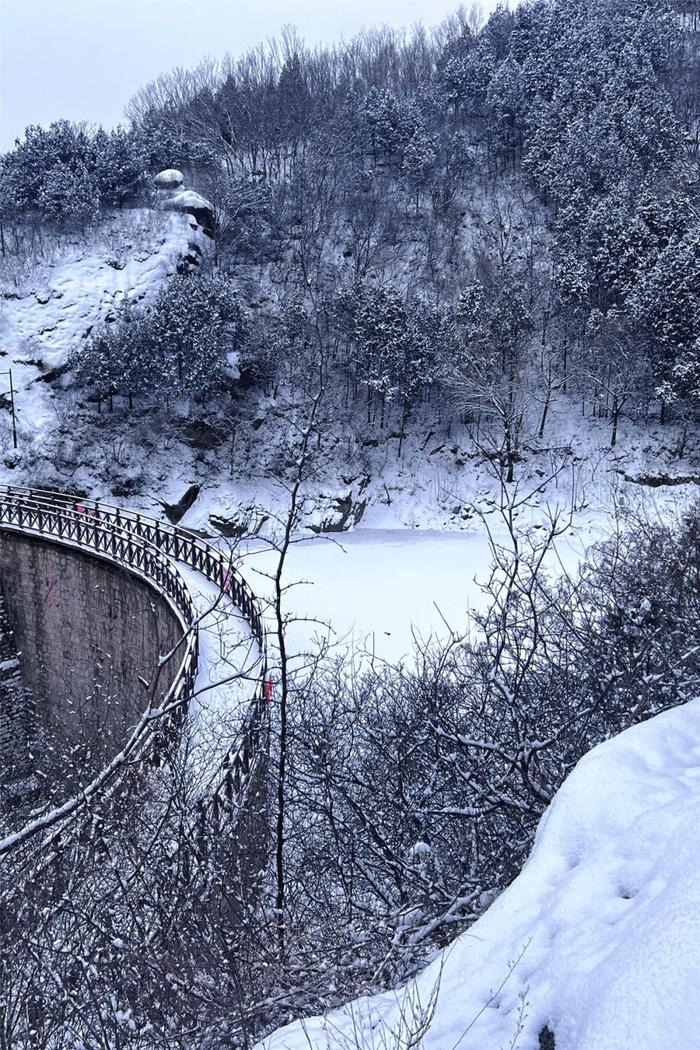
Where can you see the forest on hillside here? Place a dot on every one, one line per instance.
(481, 216)
(469, 222)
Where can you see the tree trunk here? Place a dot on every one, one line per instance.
(402, 429)
(543, 420)
(615, 415)
(509, 452)
(280, 889)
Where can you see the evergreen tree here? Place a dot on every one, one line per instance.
(69, 197)
(187, 343)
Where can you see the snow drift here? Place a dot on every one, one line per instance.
(597, 940)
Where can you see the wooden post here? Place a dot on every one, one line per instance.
(12, 410)
(12, 407)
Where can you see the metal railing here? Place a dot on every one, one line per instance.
(149, 547)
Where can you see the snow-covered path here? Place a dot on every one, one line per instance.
(227, 678)
(598, 939)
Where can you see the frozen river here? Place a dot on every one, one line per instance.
(381, 588)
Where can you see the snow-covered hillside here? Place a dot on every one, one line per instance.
(46, 316)
(596, 944)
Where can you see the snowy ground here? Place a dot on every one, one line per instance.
(45, 316)
(598, 938)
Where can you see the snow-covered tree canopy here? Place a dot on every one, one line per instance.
(187, 342)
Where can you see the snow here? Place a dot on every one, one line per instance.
(598, 938)
(229, 664)
(39, 328)
(169, 178)
(384, 590)
(183, 200)
(379, 588)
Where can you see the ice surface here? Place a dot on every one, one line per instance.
(381, 589)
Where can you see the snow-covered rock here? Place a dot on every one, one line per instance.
(174, 196)
(597, 942)
(170, 179)
(191, 203)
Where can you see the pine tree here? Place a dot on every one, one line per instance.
(69, 197)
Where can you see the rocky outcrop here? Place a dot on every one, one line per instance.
(195, 205)
(245, 521)
(172, 195)
(170, 179)
(176, 511)
(346, 512)
(656, 481)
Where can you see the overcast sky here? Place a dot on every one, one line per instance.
(84, 59)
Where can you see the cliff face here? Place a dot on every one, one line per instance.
(45, 315)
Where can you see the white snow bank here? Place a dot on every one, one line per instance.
(599, 936)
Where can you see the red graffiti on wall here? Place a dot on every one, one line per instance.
(53, 597)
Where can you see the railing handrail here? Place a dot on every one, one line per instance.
(152, 565)
(145, 526)
(78, 519)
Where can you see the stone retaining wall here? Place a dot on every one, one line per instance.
(89, 636)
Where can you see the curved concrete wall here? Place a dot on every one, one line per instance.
(89, 635)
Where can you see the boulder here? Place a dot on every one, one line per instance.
(176, 511)
(246, 521)
(346, 512)
(170, 179)
(193, 204)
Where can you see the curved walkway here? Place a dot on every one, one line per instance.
(150, 548)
